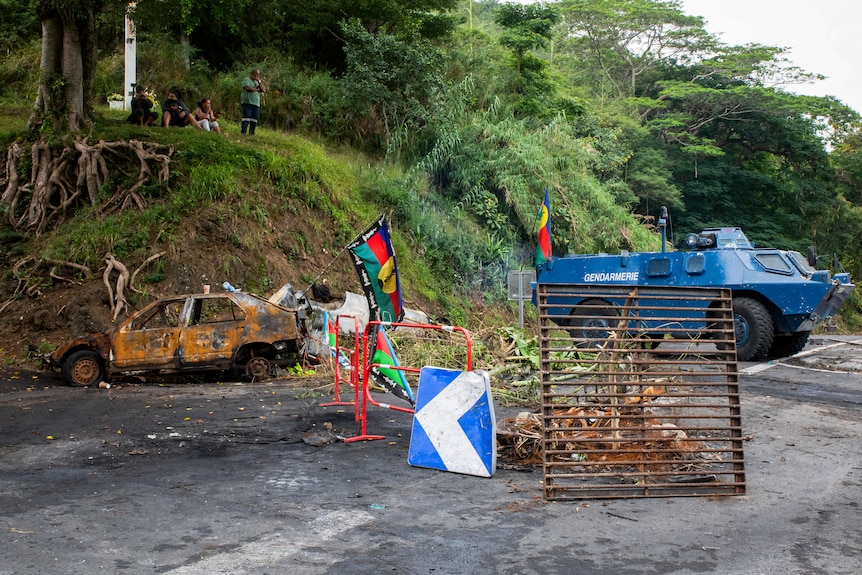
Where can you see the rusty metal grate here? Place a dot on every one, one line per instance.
(640, 394)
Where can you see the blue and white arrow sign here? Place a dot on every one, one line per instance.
(454, 427)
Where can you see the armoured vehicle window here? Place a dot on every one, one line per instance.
(694, 264)
(658, 267)
(733, 240)
(801, 263)
(773, 262)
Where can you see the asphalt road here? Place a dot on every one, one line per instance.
(216, 478)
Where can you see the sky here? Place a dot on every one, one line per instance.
(823, 37)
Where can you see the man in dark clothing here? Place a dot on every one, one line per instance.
(176, 113)
(142, 109)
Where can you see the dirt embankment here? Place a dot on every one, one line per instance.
(35, 320)
(34, 324)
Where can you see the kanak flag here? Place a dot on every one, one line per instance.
(543, 250)
(374, 259)
(392, 380)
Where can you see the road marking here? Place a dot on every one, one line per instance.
(764, 366)
(270, 551)
(805, 368)
(757, 368)
(830, 346)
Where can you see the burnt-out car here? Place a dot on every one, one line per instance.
(232, 331)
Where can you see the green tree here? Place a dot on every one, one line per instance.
(313, 26)
(623, 39)
(19, 23)
(749, 156)
(847, 157)
(527, 28)
(495, 165)
(68, 64)
(217, 30)
(389, 82)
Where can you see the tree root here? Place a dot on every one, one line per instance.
(56, 263)
(81, 268)
(32, 289)
(140, 267)
(116, 298)
(64, 179)
(9, 179)
(115, 276)
(15, 295)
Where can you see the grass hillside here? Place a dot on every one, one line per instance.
(257, 212)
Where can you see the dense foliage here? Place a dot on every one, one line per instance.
(616, 106)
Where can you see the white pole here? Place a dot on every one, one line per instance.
(131, 59)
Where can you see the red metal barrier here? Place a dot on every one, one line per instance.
(353, 355)
(366, 370)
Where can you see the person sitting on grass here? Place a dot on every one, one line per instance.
(142, 109)
(176, 113)
(206, 117)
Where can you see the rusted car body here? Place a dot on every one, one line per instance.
(202, 332)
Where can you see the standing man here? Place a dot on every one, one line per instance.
(250, 99)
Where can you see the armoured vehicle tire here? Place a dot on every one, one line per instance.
(787, 345)
(753, 327)
(83, 368)
(595, 327)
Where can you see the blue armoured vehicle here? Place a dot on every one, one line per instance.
(778, 296)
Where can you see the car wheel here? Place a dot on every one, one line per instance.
(257, 368)
(594, 319)
(83, 368)
(753, 328)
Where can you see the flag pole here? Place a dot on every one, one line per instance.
(324, 270)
